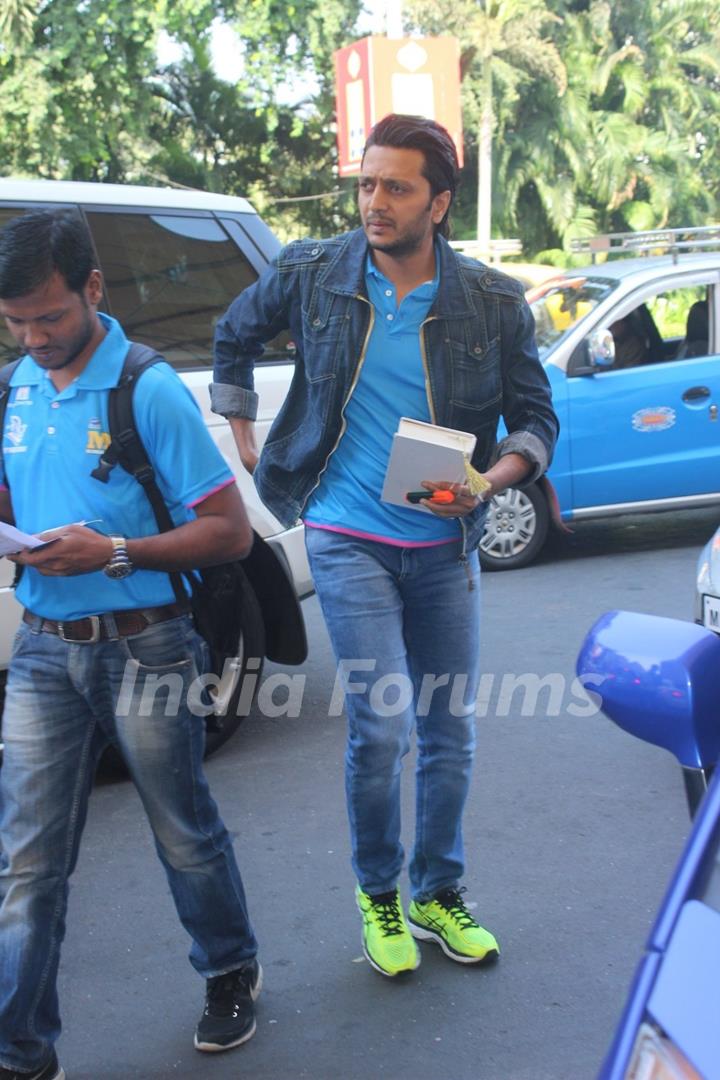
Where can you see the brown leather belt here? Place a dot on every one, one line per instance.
(104, 627)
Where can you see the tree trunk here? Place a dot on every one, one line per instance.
(485, 134)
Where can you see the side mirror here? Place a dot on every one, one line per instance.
(659, 679)
(601, 349)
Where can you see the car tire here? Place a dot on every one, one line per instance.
(516, 528)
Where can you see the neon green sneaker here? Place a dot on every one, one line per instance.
(387, 941)
(446, 920)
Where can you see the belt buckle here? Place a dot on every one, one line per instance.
(95, 625)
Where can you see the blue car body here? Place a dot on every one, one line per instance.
(637, 434)
(660, 680)
(628, 438)
(641, 434)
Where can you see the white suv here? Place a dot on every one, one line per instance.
(172, 263)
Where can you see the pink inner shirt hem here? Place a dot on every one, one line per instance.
(383, 539)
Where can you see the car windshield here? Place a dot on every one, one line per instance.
(560, 304)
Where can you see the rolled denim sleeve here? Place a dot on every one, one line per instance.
(531, 422)
(231, 400)
(255, 317)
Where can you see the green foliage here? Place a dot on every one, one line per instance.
(634, 139)
(670, 310)
(604, 117)
(16, 21)
(86, 98)
(73, 101)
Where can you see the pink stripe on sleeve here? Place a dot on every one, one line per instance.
(207, 494)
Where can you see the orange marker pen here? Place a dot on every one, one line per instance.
(440, 496)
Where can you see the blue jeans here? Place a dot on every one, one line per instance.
(62, 709)
(404, 626)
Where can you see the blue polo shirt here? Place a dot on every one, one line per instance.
(391, 385)
(53, 440)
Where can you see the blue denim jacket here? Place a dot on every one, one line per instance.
(477, 344)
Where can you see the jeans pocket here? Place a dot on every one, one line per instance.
(165, 645)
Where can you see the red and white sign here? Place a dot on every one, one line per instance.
(378, 75)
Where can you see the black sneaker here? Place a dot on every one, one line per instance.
(50, 1071)
(229, 1016)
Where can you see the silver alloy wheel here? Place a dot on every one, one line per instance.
(510, 525)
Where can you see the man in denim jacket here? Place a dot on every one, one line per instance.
(388, 321)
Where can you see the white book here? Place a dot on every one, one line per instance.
(423, 451)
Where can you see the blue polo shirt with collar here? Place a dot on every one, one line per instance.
(52, 441)
(391, 385)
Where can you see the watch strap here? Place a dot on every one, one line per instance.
(119, 560)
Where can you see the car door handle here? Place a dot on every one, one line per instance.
(696, 393)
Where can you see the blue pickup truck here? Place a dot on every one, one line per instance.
(632, 350)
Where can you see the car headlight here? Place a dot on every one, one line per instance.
(655, 1057)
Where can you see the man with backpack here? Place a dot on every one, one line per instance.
(99, 601)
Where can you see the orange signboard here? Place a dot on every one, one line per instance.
(378, 75)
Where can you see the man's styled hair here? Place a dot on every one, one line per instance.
(440, 169)
(35, 246)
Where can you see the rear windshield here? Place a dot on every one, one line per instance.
(561, 303)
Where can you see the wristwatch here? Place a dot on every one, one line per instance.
(119, 565)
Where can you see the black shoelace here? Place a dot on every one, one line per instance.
(224, 990)
(453, 903)
(388, 912)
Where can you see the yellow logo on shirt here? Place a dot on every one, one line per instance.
(97, 440)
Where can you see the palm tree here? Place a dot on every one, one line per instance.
(501, 41)
(17, 18)
(629, 144)
(569, 156)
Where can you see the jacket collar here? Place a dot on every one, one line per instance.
(345, 275)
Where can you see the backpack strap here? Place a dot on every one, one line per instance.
(6, 374)
(126, 448)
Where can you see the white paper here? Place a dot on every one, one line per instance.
(13, 540)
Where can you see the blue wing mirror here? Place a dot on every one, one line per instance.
(659, 679)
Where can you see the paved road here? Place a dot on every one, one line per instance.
(572, 829)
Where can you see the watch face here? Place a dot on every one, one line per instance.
(118, 570)
(119, 565)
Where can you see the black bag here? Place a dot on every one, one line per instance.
(217, 594)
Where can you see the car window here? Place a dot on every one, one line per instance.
(8, 348)
(560, 305)
(677, 312)
(169, 278)
(7, 345)
(262, 237)
(670, 325)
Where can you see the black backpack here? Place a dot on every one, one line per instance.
(215, 593)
